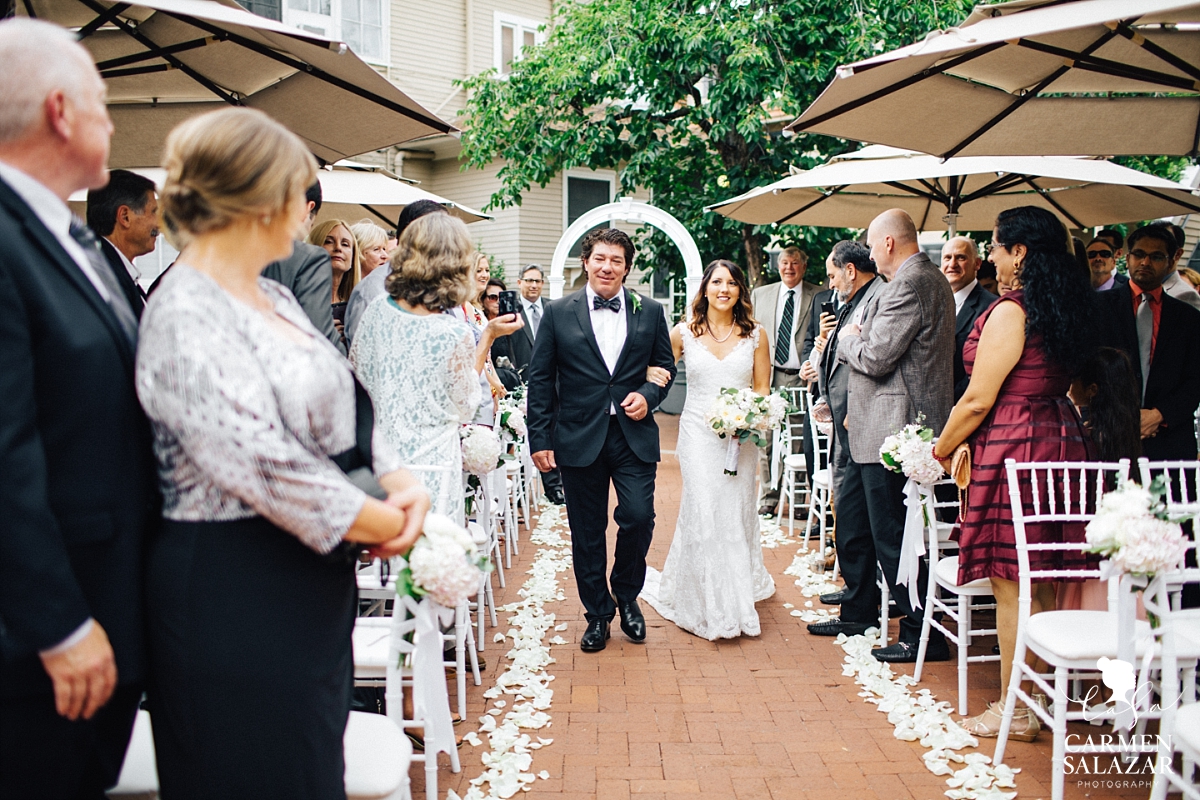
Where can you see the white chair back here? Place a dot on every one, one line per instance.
(442, 482)
(821, 444)
(1182, 483)
(1056, 492)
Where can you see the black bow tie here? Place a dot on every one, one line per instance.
(612, 305)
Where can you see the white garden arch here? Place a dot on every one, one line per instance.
(636, 213)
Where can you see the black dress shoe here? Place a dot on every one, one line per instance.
(766, 510)
(632, 621)
(557, 497)
(833, 598)
(833, 627)
(595, 637)
(906, 652)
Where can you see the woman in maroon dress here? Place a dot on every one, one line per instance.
(1021, 356)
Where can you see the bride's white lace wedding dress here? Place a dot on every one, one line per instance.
(714, 572)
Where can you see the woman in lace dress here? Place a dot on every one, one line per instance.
(421, 366)
(249, 609)
(714, 572)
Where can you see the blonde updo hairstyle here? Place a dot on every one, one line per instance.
(432, 265)
(227, 165)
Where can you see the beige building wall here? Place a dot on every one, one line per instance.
(432, 45)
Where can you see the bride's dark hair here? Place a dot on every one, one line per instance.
(743, 315)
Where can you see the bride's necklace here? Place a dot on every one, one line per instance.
(714, 335)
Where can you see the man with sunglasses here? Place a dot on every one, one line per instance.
(1158, 332)
(1102, 255)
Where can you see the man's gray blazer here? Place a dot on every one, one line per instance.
(765, 300)
(832, 379)
(307, 272)
(902, 364)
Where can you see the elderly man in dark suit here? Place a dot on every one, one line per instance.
(1158, 332)
(77, 475)
(901, 362)
(783, 309)
(124, 214)
(960, 265)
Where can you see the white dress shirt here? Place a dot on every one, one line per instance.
(528, 306)
(793, 359)
(56, 216)
(610, 330)
(129, 267)
(961, 295)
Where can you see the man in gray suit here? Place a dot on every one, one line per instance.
(309, 275)
(901, 366)
(783, 309)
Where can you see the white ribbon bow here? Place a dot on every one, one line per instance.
(912, 548)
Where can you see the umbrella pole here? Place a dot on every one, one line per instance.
(951, 221)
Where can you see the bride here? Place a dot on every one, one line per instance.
(714, 572)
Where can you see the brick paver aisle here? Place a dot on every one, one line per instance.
(766, 717)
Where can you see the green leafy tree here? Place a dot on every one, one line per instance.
(684, 98)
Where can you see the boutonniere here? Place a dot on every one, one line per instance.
(635, 302)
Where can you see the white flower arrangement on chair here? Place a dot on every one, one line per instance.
(1134, 531)
(443, 565)
(481, 449)
(910, 451)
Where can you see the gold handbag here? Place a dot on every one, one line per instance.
(960, 472)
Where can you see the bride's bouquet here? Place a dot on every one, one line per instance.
(481, 449)
(444, 565)
(743, 415)
(910, 451)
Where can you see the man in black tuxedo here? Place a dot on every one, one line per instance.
(77, 473)
(589, 415)
(960, 265)
(1159, 334)
(124, 214)
(519, 348)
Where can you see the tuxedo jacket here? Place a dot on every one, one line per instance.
(832, 375)
(78, 484)
(765, 300)
(977, 302)
(518, 346)
(133, 293)
(902, 365)
(570, 388)
(1173, 386)
(308, 274)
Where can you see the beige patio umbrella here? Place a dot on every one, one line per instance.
(166, 60)
(349, 191)
(353, 191)
(1031, 77)
(958, 193)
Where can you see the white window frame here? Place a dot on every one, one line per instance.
(296, 19)
(591, 175)
(520, 26)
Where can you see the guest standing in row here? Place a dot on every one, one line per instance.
(77, 482)
(307, 274)
(372, 242)
(1021, 357)
(335, 238)
(960, 265)
(373, 286)
(251, 609)
(124, 215)
(418, 363)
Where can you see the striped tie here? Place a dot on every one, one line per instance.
(783, 339)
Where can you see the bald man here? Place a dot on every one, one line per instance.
(77, 473)
(960, 265)
(901, 361)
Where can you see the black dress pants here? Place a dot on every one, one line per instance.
(43, 755)
(587, 511)
(871, 515)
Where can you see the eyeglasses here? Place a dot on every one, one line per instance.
(991, 248)
(531, 280)
(491, 297)
(1154, 258)
(1099, 253)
